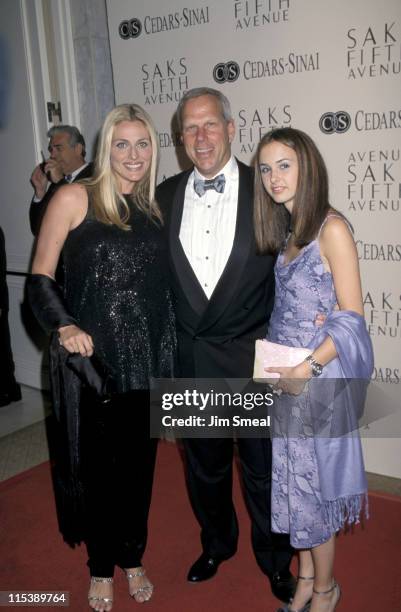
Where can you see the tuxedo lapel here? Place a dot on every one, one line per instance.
(183, 269)
(243, 241)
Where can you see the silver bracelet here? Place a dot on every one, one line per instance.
(316, 367)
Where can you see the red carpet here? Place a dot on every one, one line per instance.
(33, 555)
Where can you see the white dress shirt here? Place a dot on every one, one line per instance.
(75, 173)
(208, 226)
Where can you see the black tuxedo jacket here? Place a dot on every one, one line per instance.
(216, 337)
(37, 209)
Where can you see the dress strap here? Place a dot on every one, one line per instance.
(347, 223)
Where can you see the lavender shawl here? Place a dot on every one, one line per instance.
(336, 402)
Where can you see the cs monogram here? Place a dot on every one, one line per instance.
(228, 72)
(130, 28)
(338, 122)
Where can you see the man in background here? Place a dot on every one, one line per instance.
(65, 165)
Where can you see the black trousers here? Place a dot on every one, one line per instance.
(118, 460)
(209, 477)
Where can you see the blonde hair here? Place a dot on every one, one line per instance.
(105, 197)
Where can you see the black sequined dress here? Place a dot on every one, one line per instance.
(116, 287)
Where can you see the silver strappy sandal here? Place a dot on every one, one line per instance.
(145, 589)
(108, 601)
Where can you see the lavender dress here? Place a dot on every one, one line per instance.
(303, 289)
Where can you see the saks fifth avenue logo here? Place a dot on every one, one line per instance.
(165, 81)
(373, 185)
(186, 18)
(252, 124)
(228, 72)
(256, 13)
(383, 313)
(374, 51)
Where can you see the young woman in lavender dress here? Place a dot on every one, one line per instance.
(314, 493)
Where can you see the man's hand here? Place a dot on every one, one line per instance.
(39, 182)
(321, 316)
(53, 170)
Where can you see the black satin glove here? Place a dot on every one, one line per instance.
(94, 374)
(47, 303)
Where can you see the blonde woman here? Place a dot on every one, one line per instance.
(115, 307)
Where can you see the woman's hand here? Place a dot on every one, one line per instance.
(75, 340)
(292, 380)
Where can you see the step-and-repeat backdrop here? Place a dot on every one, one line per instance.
(332, 69)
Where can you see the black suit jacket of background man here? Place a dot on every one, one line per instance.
(37, 209)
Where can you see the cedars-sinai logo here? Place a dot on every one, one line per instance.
(338, 122)
(154, 24)
(130, 28)
(227, 72)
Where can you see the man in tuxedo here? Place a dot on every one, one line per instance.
(223, 294)
(65, 165)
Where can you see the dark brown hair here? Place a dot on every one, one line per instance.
(311, 203)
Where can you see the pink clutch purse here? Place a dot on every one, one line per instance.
(268, 354)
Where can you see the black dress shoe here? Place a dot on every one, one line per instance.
(283, 585)
(203, 569)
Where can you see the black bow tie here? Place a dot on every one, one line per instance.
(218, 184)
(68, 178)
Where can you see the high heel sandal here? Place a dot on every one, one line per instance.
(306, 607)
(139, 573)
(335, 586)
(107, 601)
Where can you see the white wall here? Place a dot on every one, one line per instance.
(23, 135)
(92, 65)
(17, 144)
(19, 156)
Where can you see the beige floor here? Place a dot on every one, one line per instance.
(23, 441)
